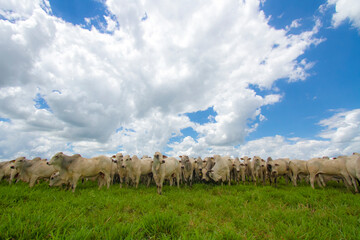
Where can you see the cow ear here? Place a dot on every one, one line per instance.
(180, 156)
(164, 156)
(277, 164)
(113, 156)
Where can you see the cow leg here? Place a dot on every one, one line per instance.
(75, 179)
(171, 181)
(321, 183)
(161, 185)
(33, 181)
(191, 178)
(270, 179)
(312, 180)
(229, 178)
(121, 182)
(108, 180)
(354, 183)
(286, 179)
(148, 181)
(294, 177)
(348, 181)
(137, 180)
(264, 178)
(178, 180)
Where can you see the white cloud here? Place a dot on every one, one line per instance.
(343, 127)
(346, 10)
(187, 56)
(340, 136)
(14, 10)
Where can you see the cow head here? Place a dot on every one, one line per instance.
(158, 155)
(213, 176)
(56, 159)
(19, 162)
(185, 161)
(57, 180)
(126, 161)
(273, 168)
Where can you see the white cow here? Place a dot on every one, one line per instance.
(333, 167)
(33, 170)
(297, 169)
(138, 167)
(187, 169)
(74, 167)
(165, 168)
(221, 170)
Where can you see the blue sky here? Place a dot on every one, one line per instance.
(273, 77)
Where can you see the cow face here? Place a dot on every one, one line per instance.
(184, 161)
(274, 169)
(56, 180)
(19, 162)
(214, 176)
(126, 161)
(158, 155)
(56, 159)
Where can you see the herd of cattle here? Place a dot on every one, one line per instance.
(68, 170)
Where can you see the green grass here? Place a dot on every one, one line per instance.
(200, 212)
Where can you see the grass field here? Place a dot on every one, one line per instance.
(200, 212)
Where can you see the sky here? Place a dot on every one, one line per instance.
(277, 78)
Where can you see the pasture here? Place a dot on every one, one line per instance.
(205, 211)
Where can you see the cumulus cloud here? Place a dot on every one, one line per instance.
(346, 10)
(129, 88)
(341, 135)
